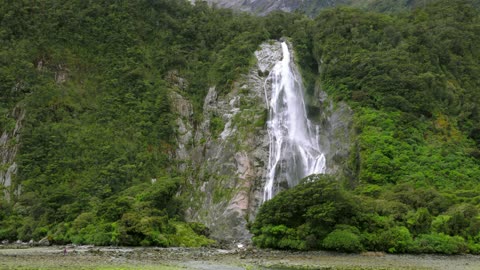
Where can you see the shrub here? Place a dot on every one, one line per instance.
(9, 228)
(463, 221)
(474, 248)
(440, 224)
(216, 125)
(440, 243)
(199, 228)
(419, 222)
(282, 237)
(343, 240)
(395, 240)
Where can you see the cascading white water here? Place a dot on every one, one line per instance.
(294, 147)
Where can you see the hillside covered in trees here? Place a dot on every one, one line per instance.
(95, 78)
(412, 80)
(96, 159)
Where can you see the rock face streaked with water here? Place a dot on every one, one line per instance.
(226, 166)
(294, 140)
(264, 136)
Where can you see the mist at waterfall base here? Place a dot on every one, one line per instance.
(294, 150)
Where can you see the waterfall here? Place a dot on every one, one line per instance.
(294, 141)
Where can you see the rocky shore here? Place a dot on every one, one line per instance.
(91, 257)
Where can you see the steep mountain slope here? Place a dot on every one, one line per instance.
(263, 7)
(412, 82)
(140, 122)
(87, 114)
(226, 157)
(313, 7)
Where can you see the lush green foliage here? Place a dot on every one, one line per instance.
(413, 83)
(412, 80)
(95, 79)
(320, 213)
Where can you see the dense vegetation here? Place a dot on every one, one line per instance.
(95, 79)
(96, 158)
(321, 214)
(412, 80)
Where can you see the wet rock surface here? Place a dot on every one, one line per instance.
(228, 153)
(224, 154)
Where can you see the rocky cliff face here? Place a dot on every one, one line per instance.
(336, 132)
(9, 143)
(225, 156)
(313, 7)
(263, 7)
(258, 6)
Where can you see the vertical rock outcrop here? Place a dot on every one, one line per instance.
(225, 155)
(336, 134)
(263, 7)
(9, 143)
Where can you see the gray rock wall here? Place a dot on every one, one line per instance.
(9, 143)
(336, 132)
(225, 156)
(263, 7)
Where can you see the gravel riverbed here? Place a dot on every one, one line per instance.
(90, 257)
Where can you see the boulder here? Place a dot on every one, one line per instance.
(44, 242)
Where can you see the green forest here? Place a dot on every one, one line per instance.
(92, 143)
(96, 156)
